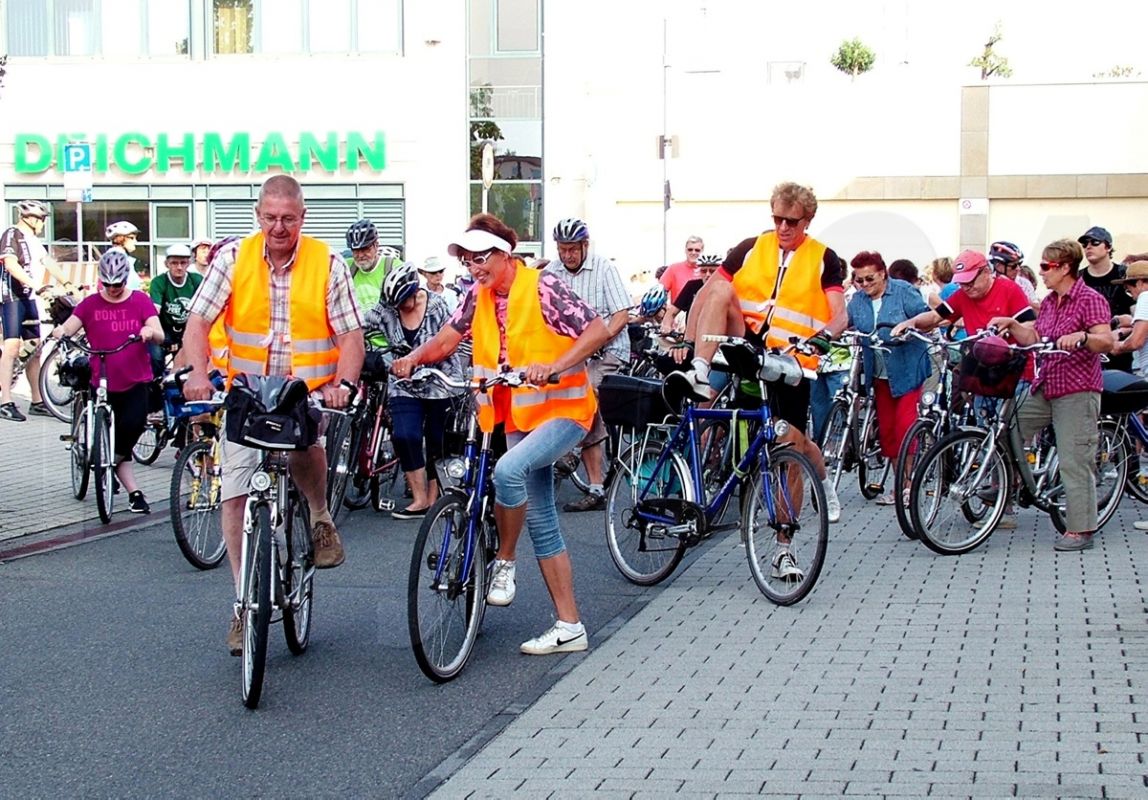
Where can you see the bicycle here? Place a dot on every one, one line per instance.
(851, 438)
(964, 482)
(1124, 397)
(94, 432)
(375, 466)
(453, 556)
(196, 483)
(57, 397)
(277, 565)
(658, 506)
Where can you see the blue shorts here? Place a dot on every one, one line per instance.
(14, 313)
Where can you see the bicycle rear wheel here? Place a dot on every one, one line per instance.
(256, 606)
(103, 462)
(57, 397)
(786, 527)
(872, 466)
(195, 501)
(918, 439)
(835, 441)
(1112, 468)
(298, 577)
(79, 456)
(147, 448)
(338, 462)
(444, 614)
(959, 475)
(644, 552)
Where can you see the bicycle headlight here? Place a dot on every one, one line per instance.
(260, 481)
(451, 471)
(927, 399)
(780, 427)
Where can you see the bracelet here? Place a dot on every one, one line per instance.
(1083, 342)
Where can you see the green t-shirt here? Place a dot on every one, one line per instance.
(174, 302)
(368, 287)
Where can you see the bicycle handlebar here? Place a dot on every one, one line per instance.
(510, 377)
(84, 348)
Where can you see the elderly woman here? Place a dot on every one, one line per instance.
(1067, 389)
(895, 377)
(523, 319)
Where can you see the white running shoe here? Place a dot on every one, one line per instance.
(502, 586)
(785, 566)
(832, 504)
(561, 638)
(694, 383)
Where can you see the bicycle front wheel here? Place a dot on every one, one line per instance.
(147, 448)
(298, 578)
(79, 455)
(872, 466)
(57, 397)
(959, 492)
(644, 552)
(256, 606)
(835, 441)
(103, 461)
(921, 435)
(445, 607)
(786, 527)
(195, 499)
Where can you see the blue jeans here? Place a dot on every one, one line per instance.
(821, 393)
(526, 471)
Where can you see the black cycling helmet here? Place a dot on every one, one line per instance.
(571, 229)
(362, 234)
(401, 282)
(1005, 253)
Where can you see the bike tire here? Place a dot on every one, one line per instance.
(644, 557)
(1112, 467)
(716, 459)
(789, 476)
(257, 607)
(56, 396)
(835, 441)
(949, 478)
(872, 466)
(79, 458)
(382, 482)
(922, 434)
(194, 506)
(443, 618)
(103, 464)
(338, 462)
(298, 577)
(147, 448)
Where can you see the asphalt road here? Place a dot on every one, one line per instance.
(115, 681)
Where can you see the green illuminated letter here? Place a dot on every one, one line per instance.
(234, 157)
(373, 153)
(326, 154)
(274, 153)
(24, 161)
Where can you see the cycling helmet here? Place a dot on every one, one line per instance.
(400, 283)
(571, 229)
(32, 208)
(710, 260)
(992, 351)
(1005, 253)
(122, 228)
(653, 301)
(362, 234)
(115, 267)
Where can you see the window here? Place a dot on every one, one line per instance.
(234, 24)
(172, 222)
(330, 28)
(306, 26)
(519, 205)
(117, 28)
(52, 28)
(517, 26)
(168, 27)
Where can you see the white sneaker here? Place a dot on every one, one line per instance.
(1140, 525)
(561, 638)
(502, 586)
(832, 504)
(699, 387)
(785, 566)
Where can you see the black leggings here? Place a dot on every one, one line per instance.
(130, 407)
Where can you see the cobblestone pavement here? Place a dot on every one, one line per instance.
(1013, 670)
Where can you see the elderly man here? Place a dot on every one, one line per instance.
(290, 288)
(172, 292)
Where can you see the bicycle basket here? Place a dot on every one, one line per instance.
(75, 372)
(61, 308)
(991, 370)
(270, 413)
(631, 402)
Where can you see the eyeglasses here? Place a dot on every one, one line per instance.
(287, 222)
(865, 280)
(477, 260)
(792, 222)
(1045, 266)
(1094, 242)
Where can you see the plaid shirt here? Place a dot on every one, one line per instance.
(601, 286)
(1077, 311)
(215, 291)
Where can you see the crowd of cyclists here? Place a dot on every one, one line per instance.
(278, 302)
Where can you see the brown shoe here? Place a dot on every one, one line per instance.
(588, 502)
(328, 545)
(235, 637)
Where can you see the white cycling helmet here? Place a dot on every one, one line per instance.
(401, 282)
(115, 267)
(32, 208)
(121, 228)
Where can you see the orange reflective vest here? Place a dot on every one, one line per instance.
(247, 317)
(529, 340)
(798, 307)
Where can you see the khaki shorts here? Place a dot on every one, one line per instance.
(238, 463)
(600, 368)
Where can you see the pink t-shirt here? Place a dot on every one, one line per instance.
(677, 276)
(107, 325)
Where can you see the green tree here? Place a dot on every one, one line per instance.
(3, 69)
(991, 62)
(482, 127)
(853, 57)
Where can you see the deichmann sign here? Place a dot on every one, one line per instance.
(137, 153)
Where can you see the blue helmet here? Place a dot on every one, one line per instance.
(653, 301)
(571, 229)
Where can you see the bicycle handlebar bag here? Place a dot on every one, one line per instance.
(270, 413)
(75, 371)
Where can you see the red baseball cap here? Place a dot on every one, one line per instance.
(968, 265)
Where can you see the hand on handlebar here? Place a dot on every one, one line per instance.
(403, 367)
(539, 374)
(197, 387)
(336, 395)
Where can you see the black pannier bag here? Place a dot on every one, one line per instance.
(631, 402)
(270, 413)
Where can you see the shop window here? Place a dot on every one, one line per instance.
(329, 29)
(234, 24)
(306, 26)
(172, 222)
(519, 205)
(52, 27)
(168, 27)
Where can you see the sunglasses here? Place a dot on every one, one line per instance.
(792, 222)
(114, 285)
(477, 260)
(693, 249)
(865, 280)
(1045, 266)
(1094, 243)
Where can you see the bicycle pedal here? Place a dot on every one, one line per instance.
(875, 487)
(67, 437)
(386, 505)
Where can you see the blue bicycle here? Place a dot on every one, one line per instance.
(658, 503)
